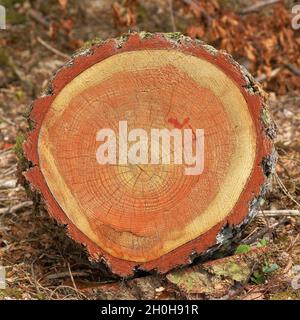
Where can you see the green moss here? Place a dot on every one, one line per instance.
(26, 115)
(210, 49)
(4, 58)
(18, 146)
(40, 296)
(174, 277)
(145, 35)
(242, 248)
(232, 270)
(174, 36)
(88, 44)
(122, 39)
(19, 94)
(287, 295)
(266, 118)
(18, 149)
(191, 281)
(10, 293)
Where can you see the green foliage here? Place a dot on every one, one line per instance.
(268, 268)
(257, 277)
(242, 248)
(262, 243)
(90, 43)
(232, 270)
(12, 14)
(10, 293)
(175, 36)
(18, 146)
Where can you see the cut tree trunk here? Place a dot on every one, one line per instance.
(146, 212)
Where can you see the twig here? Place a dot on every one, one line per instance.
(9, 62)
(285, 190)
(34, 277)
(9, 171)
(263, 231)
(52, 49)
(172, 15)
(258, 6)
(79, 293)
(243, 285)
(264, 77)
(5, 152)
(283, 213)
(8, 121)
(17, 207)
(8, 184)
(293, 242)
(294, 69)
(38, 17)
(66, 274)
(191, 2)
(71, 276)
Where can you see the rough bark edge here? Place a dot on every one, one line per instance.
(221, 234)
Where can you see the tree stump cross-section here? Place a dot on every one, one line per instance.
(150, 148)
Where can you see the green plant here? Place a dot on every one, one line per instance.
(262, 243)
(257, 277)
(242, 248)
(268, 268)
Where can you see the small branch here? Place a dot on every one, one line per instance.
(282, 213)
(285, 190)
(257, 6)
(38, 17)
(8, 184)
(52, 49)
(190, 2)
(172, 15)
(9, 171)
(66, 274)
(294, 69)
(71, 276)
(293, 243)
(16, 208)
(263, 77)
(263, 231)
(5, 152)
(8, 121)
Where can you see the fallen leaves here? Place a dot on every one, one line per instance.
(125, 13)
(63, 3)
(264, 38)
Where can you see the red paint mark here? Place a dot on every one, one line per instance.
(177, 124)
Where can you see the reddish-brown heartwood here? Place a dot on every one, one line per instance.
(150, 216)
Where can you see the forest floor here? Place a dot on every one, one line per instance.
(41, 261)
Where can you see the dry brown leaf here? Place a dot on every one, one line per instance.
(63, 3)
